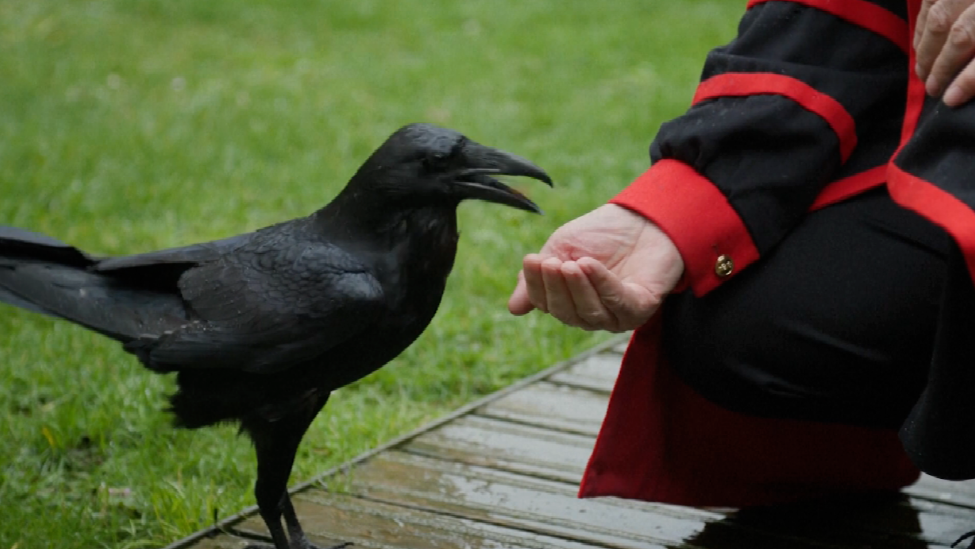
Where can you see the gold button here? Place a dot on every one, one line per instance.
(724, 266)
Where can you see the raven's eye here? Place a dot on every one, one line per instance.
(435, 161)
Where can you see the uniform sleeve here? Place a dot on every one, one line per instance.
(809, 93)
(931, 174)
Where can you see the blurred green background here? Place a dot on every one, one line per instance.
(129, 125)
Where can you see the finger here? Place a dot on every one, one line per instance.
(519, 303)
(941, 16)
(589, 306)
(532, 268)
(920, 22)
(956, 53)
(557, 295)
(962, 88)
(631, 305)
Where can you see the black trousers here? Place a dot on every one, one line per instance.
(837, 323)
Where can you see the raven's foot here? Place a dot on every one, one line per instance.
(965, 536)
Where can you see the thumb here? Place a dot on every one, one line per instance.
(632, 304)
(519, 303)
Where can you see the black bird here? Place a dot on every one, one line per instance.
(261, 327)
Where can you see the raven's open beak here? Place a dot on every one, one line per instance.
(483, 162)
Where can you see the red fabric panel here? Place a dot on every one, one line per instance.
(663, 442)
(740, 84)
(862, 14)
(696, 215)
(850, 186)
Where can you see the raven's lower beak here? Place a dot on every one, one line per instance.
(476, 181)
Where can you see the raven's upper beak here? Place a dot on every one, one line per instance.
(482, 162)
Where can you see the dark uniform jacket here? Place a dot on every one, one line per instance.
(814, 102)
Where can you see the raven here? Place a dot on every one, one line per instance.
(261, 327)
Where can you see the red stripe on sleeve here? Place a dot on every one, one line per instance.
(850, 186)
(938, 206)
(862, 14)
(738, 84)
(696, 215)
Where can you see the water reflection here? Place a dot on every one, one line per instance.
(890, 521)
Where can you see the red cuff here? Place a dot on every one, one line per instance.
(696, 215)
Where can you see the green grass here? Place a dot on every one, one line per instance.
(128, 125)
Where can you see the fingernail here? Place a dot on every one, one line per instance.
(932, 88)
(953, 97)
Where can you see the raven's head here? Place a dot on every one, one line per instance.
(422, 163)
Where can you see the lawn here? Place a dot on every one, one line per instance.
(129, 125)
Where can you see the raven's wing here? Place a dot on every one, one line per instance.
(185, 255)
(266, 309)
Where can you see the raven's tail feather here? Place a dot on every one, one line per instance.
(12, 241)
(44, 275)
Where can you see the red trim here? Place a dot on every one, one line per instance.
(738, 84)
(938, 206)
(850, 186)
(863, 14)
(696, 215)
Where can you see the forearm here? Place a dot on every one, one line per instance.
(775, 120)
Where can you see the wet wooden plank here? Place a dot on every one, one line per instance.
(221, 542)
(888, 521)
(507, 446)
(329, 519)
(549, 507)
(521, 502)
(556, 407)
(947, 491)
(620, 347)
(596, 373)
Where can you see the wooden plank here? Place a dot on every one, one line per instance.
(332, 518)
(596, 373)
(507, 446)
(482, 442)
(516, 501)
(620, 348)
(946, 491)
(521, 502)
(888, 521)
(221, 541)
(556, 407)
(410, 502)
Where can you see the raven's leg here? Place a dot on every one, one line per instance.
(298, 539)
(276, 443)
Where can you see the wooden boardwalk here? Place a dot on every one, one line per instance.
(503, 473)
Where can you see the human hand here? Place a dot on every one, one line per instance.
(944, 40)
(606, 270)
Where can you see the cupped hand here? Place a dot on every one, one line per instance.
(606, 270)
(944, 40)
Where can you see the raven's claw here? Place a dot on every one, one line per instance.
(964, 537)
